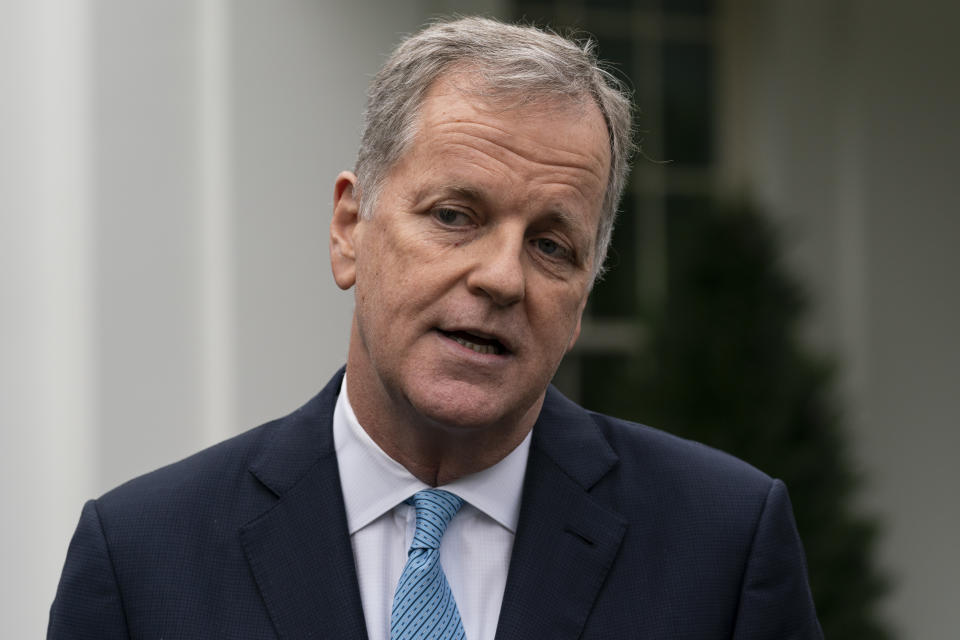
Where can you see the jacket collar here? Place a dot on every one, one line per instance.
(566, 538)
(299, 550)
(297, 441)
(568, 435)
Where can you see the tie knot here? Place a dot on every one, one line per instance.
(435, 509)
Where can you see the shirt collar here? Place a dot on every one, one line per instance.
(374, 483)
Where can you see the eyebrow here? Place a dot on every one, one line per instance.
(566, 219)
(468, 193)
(556, 214)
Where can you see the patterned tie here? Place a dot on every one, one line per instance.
(423, 605)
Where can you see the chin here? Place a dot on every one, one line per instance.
(463, 417)
(464, 407)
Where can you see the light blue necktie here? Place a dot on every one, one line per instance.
(423, 605)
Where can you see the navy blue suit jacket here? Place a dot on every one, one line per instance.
(624, 532)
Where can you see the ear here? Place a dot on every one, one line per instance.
(346, 215)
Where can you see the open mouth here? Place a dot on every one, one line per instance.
(477, 343)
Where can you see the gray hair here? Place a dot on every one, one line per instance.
(511, 60)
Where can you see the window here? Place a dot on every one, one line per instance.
(665, 48)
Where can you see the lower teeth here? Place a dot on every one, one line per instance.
(479, 348)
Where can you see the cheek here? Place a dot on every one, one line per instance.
(388, 291)
(555, 317)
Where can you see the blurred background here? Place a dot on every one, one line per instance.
(782, 281)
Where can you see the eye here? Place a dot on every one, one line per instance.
(451, 217)
(551, 248)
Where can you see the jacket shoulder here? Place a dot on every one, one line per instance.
(640, 444)
(679, 478)
(266, 459)
(202, 471)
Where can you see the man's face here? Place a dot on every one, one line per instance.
(473, 271)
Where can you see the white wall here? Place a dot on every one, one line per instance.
(841, 118)
(166, 173)
(305, 70)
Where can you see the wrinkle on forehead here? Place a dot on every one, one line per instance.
(486, 137)
(483, 101)
(501, 160)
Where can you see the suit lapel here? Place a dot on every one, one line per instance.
(299, 550)
(566, 540)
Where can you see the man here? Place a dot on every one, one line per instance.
(492, 161)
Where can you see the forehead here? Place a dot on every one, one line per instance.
(460, 97)
(552, 141)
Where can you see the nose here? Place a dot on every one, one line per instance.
(498, 270)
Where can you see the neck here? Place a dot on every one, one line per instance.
(435, 452)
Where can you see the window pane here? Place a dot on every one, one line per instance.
(695, 7)
(602, 382)
(615, 296)
(687, 101)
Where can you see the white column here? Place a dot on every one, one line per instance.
(47, 368)
(216, 208)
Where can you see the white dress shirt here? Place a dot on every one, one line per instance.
(475, 550)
